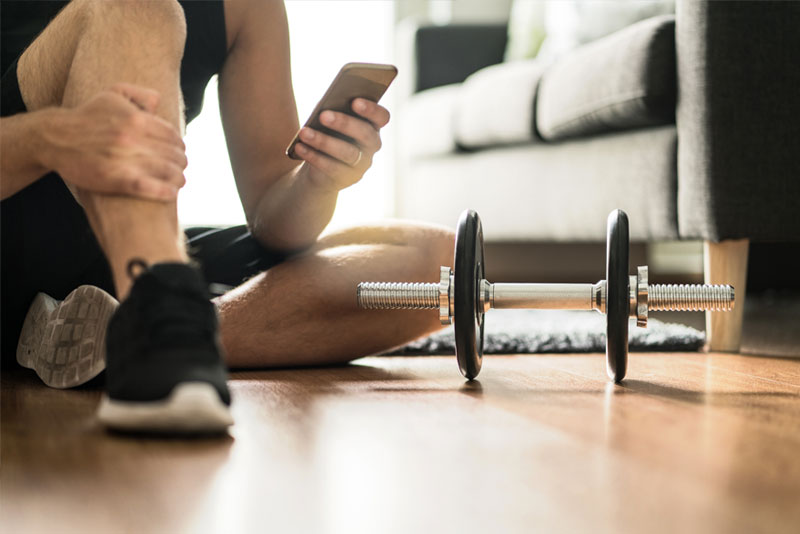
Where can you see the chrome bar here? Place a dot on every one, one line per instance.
(544, 296)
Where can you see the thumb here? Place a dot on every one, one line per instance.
(143, 97)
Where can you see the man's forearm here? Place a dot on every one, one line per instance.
(23, 149)
(293, 212)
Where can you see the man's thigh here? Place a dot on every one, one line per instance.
(44, 65)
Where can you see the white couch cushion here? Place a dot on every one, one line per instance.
(427, 122)
(496, 105)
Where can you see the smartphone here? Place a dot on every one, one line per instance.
(355, 80)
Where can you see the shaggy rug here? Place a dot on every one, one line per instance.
(538, 331)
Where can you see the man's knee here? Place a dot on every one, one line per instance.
(154, 27)
(161, 22)
(441, 245)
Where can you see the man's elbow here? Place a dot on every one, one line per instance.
(283, 243)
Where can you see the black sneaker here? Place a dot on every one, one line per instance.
(164, 369)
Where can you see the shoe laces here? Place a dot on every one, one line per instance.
(173, 315)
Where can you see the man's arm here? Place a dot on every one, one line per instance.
(112, 144)
(287, 204)
(22, 150)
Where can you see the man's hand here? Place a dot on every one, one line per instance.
(334, 163)
(115, 144)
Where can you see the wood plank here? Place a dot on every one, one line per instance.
(689, 442)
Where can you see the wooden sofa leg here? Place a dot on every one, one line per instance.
(726, 263)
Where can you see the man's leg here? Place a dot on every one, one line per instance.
(304, 311)
(87, 48)
(163, 367)
(92, 45)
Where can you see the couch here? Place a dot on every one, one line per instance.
(689, 122)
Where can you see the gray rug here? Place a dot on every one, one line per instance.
(537, 331)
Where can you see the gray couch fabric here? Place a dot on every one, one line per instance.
(738, 120)
(625, 80)
(729, 168)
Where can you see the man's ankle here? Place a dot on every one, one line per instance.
(126, 274)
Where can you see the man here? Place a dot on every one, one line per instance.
(92, 161)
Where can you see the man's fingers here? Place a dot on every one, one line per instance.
(342, 150)
(374, 113)
(362, 131)
(158, 128)
(326, 165)
(142, 186)
(143, 97)
(168, 138)
(164, 170)
(170, 152)
(147, 100)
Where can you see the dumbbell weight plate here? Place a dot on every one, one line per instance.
(467, 314)
(617, 295)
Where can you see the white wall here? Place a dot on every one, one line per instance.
(444, 11)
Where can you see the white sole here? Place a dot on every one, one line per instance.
(65, 343)
(191, 408)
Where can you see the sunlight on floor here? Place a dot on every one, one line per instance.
(324, 35)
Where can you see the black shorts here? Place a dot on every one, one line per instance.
(46, 245)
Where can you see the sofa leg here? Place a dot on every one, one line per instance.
(726, 263)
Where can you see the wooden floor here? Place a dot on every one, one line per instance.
(688, 443)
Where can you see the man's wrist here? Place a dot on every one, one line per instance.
(46, 132)
(321, 186)
(291, 214)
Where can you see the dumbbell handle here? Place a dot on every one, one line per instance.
(544, 296)
(424, 296)
(643, 296)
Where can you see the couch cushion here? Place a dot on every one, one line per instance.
(552, 192)
(496, 105)
(624, 80)
(426, 122)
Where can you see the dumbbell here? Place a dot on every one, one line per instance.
(463, 295)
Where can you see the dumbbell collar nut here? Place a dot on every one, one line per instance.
(445, 297)
(639, 294)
